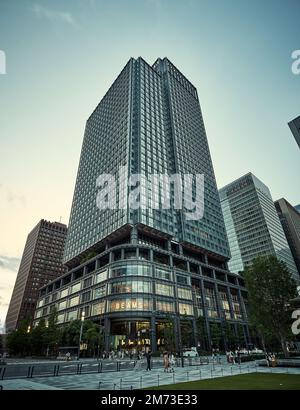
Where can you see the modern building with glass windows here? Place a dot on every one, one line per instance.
(295, 128)
(290, 221)
(134, 269)
(252, 224)
(41, 262)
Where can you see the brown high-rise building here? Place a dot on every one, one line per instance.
(41, 262)
(290, 221)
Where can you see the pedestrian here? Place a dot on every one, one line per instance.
(68, 356)
(166, 361)
(148, 357)
(171, 362)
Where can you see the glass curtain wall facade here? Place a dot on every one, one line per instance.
(252, 224)
(139, 269)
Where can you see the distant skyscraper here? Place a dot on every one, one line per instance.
(41, 262)
(129, 268)
(290, 221)
(252, 224)
(295, 128)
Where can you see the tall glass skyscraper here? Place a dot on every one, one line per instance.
(133, 268)
(252, 224)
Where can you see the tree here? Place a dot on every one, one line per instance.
(169, 333)
(186, 330)
(18, 341)
(216, 334)
(202, 335)
(270, 287)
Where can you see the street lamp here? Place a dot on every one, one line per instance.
(80, 335)
(28, 329)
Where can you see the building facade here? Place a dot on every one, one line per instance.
(297, 207)
(133, 269)
(252, 224)
(295, 128)
(41, 262)
(290, 221)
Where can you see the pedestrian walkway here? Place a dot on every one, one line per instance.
(127, 380)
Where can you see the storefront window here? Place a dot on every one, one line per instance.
(120, 305)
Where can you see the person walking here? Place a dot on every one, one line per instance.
(166, 361)
(171, 362)
(148, 358)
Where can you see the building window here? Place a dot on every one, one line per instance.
(64, 293)
(164, 274)
(74, 301)
(100, 277)
(72, 315)
(185, 309)
(184, 293)
(62, 305)
(86, 296)
(131, 286)
(165, 290)
(100, 292)
(165, 306)
(75, 288)
(183, 280)
(87, 282)
(60, 318)
(98, 308)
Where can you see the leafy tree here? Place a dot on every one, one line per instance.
(216, 334)
(271, 287)
(186, 330)
(169, 333)
(18, 341)
(201, 334)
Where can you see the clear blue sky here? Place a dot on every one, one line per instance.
(63, 55)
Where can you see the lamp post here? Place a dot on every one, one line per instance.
(80, 335)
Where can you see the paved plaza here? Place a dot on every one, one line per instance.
(137, 379)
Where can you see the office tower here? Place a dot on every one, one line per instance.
(41, 262)
(132, 268)
(295, 128)
(290, 221)
(252, 224)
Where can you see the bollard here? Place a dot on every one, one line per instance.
(31, 374)
(158, 380)
(174, 378)
(200, 374)
(114, 386)
(187, 376)
(57, 370)
(78, 368)
(120, 384)
(141, 382)
(99, 367)
(222, 371)
(99, 385)
(231, 369)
